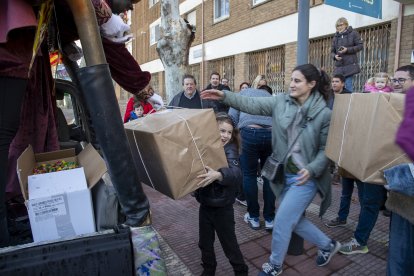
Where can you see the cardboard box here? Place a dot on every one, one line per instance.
(172, 147)
(362, 133)
(59, 203)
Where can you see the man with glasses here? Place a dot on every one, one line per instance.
(371, 196)
(403, 79)
(400, 259)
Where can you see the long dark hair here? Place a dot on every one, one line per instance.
(226, 118)
(311, 73)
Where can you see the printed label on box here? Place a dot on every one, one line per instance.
(48, 208)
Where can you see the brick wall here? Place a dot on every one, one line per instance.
(290, 62)
(393, 38)
(242, 16)
(407, 40)
(241, 72)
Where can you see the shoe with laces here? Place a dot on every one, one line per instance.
(324, 256)
(335, 223)
(353, 247)
(254, 223)
(268, 225)
(269, 269)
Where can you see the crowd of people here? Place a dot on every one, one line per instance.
(293, 127)
(288, 128)
(295, 124)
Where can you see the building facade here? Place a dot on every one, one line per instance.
(243, 38)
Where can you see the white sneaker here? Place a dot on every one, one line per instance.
(269, 225)
(254, 223)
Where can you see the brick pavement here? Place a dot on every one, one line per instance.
(176, 221)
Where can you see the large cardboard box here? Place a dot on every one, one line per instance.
(172, 147)
(362, 134)
(59, 203)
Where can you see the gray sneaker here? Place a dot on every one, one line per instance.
(335, 223)
(353, 247)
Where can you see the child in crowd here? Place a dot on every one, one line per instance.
(216, 214)
(138, 111)
(378, 83)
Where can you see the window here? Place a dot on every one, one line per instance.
(257, 2)
(154, 34)
(153, 2)
(221, 9)
(191, 18)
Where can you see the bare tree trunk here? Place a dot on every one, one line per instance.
(176, 36)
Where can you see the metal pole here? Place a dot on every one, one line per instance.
(303, 32)
(87, 26)
(296, 242)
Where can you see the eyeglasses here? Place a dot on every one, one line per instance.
(400, 81)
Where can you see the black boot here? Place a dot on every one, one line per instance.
(98, 90)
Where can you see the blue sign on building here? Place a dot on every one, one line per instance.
(371, 8)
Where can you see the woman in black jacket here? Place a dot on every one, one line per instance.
(345, 46)
(216, 204)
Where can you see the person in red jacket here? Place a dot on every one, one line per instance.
(148, 108)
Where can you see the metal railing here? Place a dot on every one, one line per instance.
(225, 67)
(372, 59)
(195, 71)
(271, 64)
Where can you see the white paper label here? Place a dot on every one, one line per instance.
(49, 208)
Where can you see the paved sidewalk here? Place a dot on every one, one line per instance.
(177, 223)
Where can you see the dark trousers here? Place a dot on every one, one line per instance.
(401, 249)
(371, 198)
(221, 221)
(11, 97)
(346, 197)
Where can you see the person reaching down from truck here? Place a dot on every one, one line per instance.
(216, 214)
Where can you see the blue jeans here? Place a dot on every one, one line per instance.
(289, 217)
(371, 198)
(401, 249)
(256, 145)
(346, 196)
(348, 83)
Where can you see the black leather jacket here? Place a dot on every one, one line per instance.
(223, 193)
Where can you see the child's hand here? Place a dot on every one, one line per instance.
(209, 177)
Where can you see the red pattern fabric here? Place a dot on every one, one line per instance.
(37, 120)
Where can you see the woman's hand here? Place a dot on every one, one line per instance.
(209, 177)
(304, 176)
(343, 50)
(212, 94)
